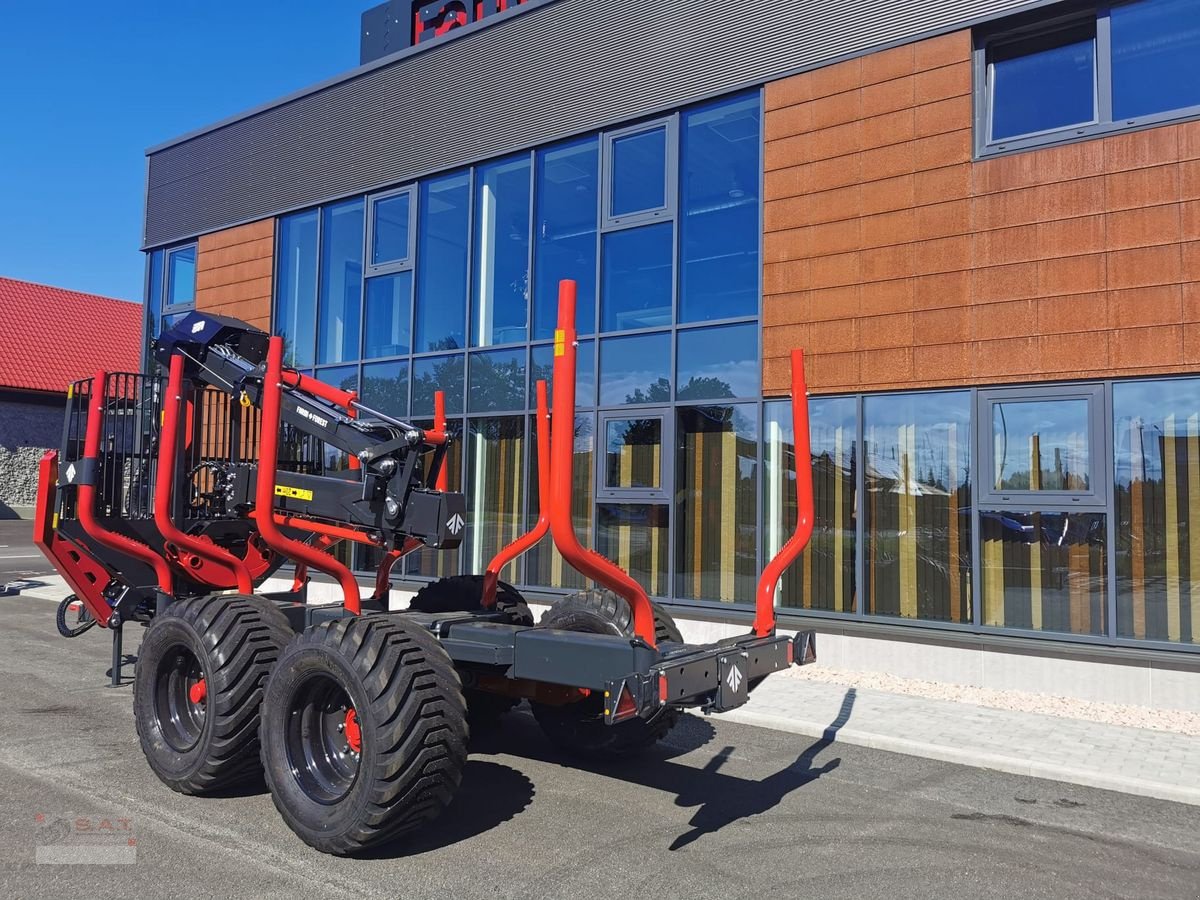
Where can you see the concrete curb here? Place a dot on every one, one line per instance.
(967, 757)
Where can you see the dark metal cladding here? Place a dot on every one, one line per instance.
(558, 68)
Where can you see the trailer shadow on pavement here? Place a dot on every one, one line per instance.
(493, 793)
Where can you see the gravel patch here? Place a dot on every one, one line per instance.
(1177, 721)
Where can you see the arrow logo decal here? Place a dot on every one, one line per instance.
(734, 678)
(455, 524)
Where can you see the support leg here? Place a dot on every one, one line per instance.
(116, 655)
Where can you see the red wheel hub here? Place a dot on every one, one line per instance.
(353, 732)
(198, 692)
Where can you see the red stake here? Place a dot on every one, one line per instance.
(562, 453)
(764, 613)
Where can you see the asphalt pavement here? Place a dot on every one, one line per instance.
(719, 810)
(19, 559)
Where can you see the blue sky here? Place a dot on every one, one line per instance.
(86, 88)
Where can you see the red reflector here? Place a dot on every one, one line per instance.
(791, 651)
(663, 693)
(625, 706)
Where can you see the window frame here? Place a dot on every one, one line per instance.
(1035, 25)
(166, 308)
(665, 212)
(988, 497)
(665, 491)
(370, 267)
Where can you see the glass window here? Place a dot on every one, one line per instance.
(1044, 82)
(1040, 445)
(385, 387)
(544, 566)
(716, 363)
(823, 576)
(918, 505)
(340, 300)
(567, 191)
(499, 307)
(638, 273)
(716, 490)
(388, 315)
(427, 563)
(437, 373)
(639, 167)
(181, 276)
(635, 536)
(585, 373)
(1045, 571)
(389, 229)
(346, 378)
(154, 294)
(495, 488)
(442, 257)
(719, 231)
(1155, 57)
(633, 453)
(296, 287)
(497, 381)
(635, 369)
(1156, 433)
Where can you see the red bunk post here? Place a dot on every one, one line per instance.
(562, 449)
(764, 613)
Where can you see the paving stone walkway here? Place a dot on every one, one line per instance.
(1132, 760)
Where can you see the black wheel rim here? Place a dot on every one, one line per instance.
(323, 743)
(180, 698)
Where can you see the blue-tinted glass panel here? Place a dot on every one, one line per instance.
(635, 369)
(917, 558)
(500, 300)
(715, 363)
(437, 373)
(389, 308)
(585, 373)
(296, 287)
(181, 276)
(346, 378)
(638, 268)
(823, 577)
(390, 238)
(443, 245)
(339, 303)
(155, 292)
(1156, 432)
(497, 381)
(719, 203)
(716, 495)
(639, 172)
(385, 387)
(567, 192)
(1155, 57)
(1041, 445)
(1044, 83)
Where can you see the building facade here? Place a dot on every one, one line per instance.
(980, 220)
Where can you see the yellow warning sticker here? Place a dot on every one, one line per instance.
(282, 490)
(560, 342)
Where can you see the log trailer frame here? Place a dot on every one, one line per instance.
(173, 499)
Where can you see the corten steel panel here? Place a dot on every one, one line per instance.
(234, 268)
(549, 72)
(898, 262)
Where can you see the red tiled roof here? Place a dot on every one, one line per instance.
(50, 337)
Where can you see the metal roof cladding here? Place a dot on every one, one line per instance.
(50, 337)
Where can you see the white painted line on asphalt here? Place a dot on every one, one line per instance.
(23, 556)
